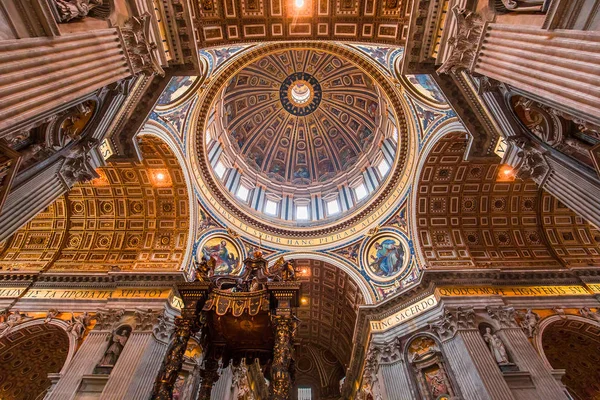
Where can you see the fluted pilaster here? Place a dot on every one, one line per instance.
(86, 358)
(572, 187)
(222, 389)
(395, 381)
(485, 364)
(39, 74)
(24, 202)
(141, 387)
(560, 66)
(129, 367)
(465, 372)
(527, 358)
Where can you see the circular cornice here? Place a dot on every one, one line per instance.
(344, 230)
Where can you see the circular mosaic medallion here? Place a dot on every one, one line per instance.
(385, 256)
(300, 94)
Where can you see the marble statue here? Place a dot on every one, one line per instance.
(496, 347)
(72, 9)
(78, 324)
(530, 322)
(113, 352)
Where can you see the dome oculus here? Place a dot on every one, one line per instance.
(300, 94)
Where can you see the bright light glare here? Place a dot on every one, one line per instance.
(160, 176)
(299, 3)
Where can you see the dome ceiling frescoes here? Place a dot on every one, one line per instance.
(301, 117)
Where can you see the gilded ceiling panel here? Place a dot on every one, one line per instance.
(231, 21)
(330, 300)
(469, 215)
(135, 216)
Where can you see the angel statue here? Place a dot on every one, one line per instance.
(11, 320)
(529, 322)
(204, 268)
(285, 268)
(78, 324)
(73, 9)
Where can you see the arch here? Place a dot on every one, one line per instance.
(134, 216)
(42, 348)
(152, 129)
(453, 126)
(345, 266)
(543, 325)
(574, 347)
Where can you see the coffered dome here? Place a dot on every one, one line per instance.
(297, 118)
(301, 135)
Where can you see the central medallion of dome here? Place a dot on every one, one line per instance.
(300, 94)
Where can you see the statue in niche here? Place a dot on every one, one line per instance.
(117, 343)
(73, 9)
(496, 347)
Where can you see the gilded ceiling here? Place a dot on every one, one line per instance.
(312, 143)
(328, 309)
(134, 217)
(473, 214)
(27, 356)
(231, 21)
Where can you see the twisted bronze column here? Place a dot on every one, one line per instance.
(281, 382)
(165, 381)
(209, 376)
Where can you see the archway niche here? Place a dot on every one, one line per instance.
(574, 345)
(328, 312)
(27, 356)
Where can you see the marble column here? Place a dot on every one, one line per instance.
(40, 74)
(527, 359)
(83, 363)
(475, 370)
(560, 68)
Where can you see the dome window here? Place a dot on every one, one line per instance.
(360, 192)
(383, 168)
(270, 207)
(242, 193)
(220, 169)
(302, 213)
(333, 207)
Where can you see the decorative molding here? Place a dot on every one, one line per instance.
(504, 315)
(466, 42)
(107, 319)
(136, 35)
